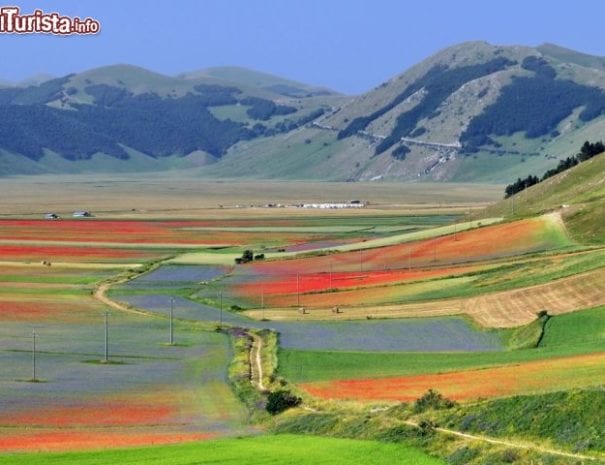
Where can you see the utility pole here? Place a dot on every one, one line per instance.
(34, 379)
(262, 296)
(171, 317)
(106, 359)
(298, 289)
(221, 306)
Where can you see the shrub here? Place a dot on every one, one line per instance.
(279, 401)
(510, 456)
(246, 257)
(462, 456)
(432, 400)
(426, 428)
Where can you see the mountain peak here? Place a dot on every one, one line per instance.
(571, 56)
(256, 79)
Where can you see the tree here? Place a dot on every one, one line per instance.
(279, 401)
(247, 256)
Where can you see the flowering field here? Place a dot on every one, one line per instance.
(74, 254)
(152, 392)
(40, 310)
(507, 380)
(176, 276)
(175, 233)
(12, 439)
(435, 334)
(149, 393)
(382, 275)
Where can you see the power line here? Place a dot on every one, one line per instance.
(106, 359)
(171, 316)
(34, 355)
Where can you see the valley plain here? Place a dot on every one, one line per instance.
(358, 313)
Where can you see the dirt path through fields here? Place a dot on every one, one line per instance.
(100, 294)
(256, 365)
(508, 443)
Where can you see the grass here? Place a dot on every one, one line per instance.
(578, 329)
(263, 450)
(161, 196)
(573, 419)
(580, 189)
(565, 335)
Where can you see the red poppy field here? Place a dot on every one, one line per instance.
(323, 282)
(358, 276)
(463, 386)
(75, 254)
(61, 440)
(28, 309)
(191, 233)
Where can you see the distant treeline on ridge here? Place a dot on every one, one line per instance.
(587, 151)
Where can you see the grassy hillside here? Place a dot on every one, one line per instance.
(578, 193)
(573, 419)
(263, 450)
(459, 115)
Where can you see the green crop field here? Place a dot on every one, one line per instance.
(266, 450)
(565, 335)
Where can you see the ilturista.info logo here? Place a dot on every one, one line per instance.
(12, 21)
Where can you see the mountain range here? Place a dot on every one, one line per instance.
(472, 112)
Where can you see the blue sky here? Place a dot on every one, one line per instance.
(348, 45)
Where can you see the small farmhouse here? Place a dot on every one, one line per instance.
(82, 214)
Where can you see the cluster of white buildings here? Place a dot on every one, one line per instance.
(353, 204)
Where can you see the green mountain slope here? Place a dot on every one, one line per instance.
(472, 112)
(578, 194)
(100, 118)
